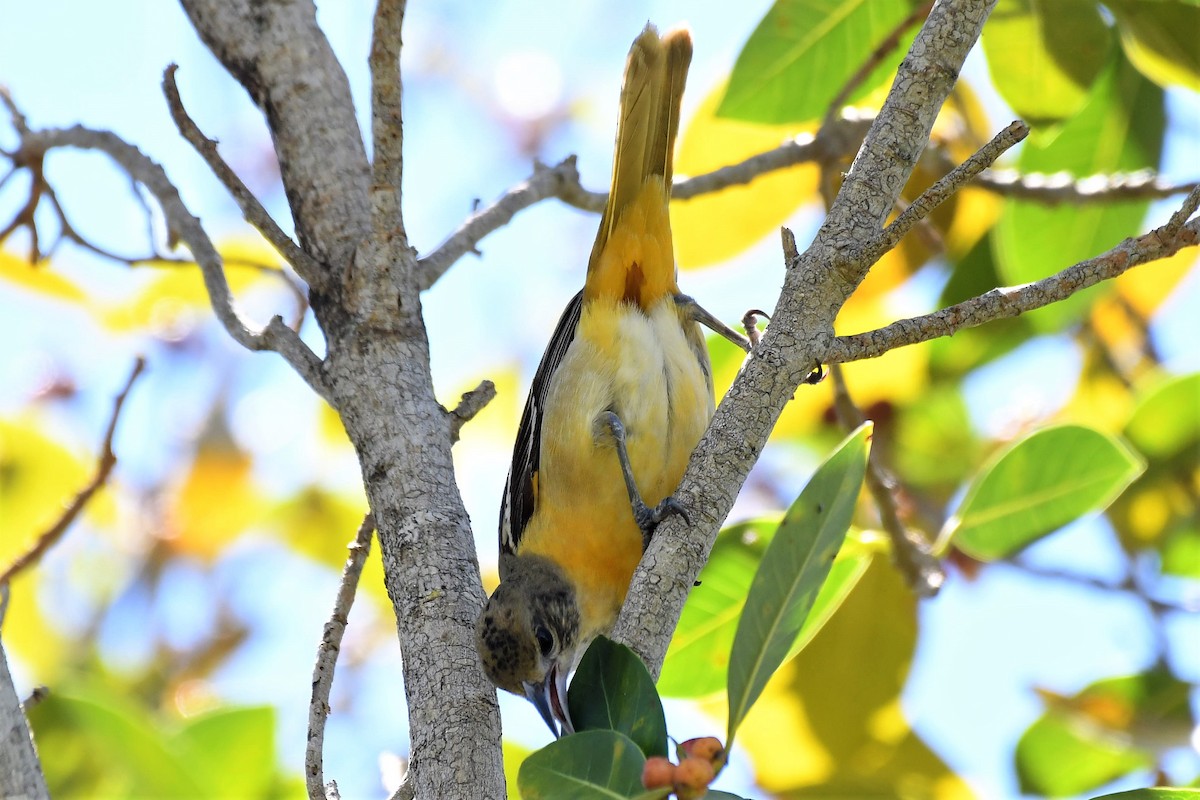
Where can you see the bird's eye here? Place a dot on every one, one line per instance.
(545, 640)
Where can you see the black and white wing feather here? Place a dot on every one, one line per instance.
(521, 490)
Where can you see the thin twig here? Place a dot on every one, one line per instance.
(276, 336)
(104, 467)
(1127, 586)
(910, 551)
(561, 181)
(1063, 188)
(1006, 302)
(327, 654)
(946, 186)
(545, 182)
(881, 51)
(253, 211)
(472, 403)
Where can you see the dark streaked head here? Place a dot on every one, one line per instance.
(527, 636)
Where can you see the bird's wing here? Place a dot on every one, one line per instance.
(521, 490)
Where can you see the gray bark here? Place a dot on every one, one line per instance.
(20, 773)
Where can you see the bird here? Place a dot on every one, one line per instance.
(620, 400)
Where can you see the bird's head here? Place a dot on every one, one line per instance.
(527, 636)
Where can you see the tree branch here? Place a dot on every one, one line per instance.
(472, 403)
(946, 186)
(817, 284)
(1010, 301)
(20, 771)
(881, 51)
(253, 212)
(182, 225)
(561, 181)
(279, 54)
(327, 654)
(387, 123)
(105, 463)
(910, 551)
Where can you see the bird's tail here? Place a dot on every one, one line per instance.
(632, 259)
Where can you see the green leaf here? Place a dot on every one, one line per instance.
(1157, 793)
(1120, 129)
(1160, 38)
(1057, 756)
(697, 662)
(1044, 56)
(1165, 421)
(803, 53)
(1181, 552)
(105, 748)
(795, 565)
(1037, 485)
(592, 765)
(612, 690)
(232, 751)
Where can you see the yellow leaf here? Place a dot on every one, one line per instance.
(825, 722)
(38, 478)
(1149, 285)
(714, 227)
(28, 634)
(177, 298)
(217, 500)
(38, 278)
(330, 428)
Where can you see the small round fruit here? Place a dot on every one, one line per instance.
(658, 772)
(708, 748)
(692, 777)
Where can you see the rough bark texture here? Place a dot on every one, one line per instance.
(817, 284)
(377, 365)
(20, 773)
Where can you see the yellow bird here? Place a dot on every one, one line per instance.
(621, 398)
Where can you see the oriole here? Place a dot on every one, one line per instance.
(624, 390)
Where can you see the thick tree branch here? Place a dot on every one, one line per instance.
(1010, 301)
(252, 210)
(881, 51)
(817, 283)
(20, 771)
(387, 123)
(327, 655)
(105, 463)
(279, 54)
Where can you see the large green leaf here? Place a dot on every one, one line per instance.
(1037, 485)
(1044, 55)
(612, 690)
(592, 765)
(1120, 129)
(795, 565)
(803, 53)
(697, 662)
(1058, 757)
(104, 747)
(1108, 729)
(1161, 38)
(1165, 420)
(231, 749)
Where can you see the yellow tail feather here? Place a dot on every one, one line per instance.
(633, 259)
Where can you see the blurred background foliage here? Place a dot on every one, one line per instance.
(176, 624)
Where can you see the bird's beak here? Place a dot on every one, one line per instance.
(550, 699)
